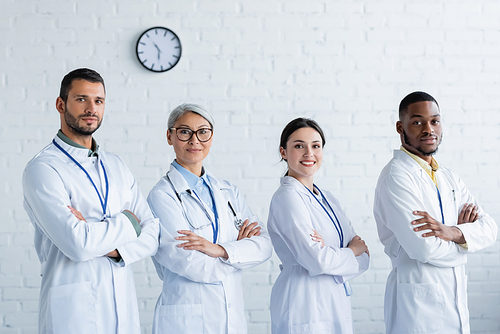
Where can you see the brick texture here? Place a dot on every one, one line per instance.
(256, 65)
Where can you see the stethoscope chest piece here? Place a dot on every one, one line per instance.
(238, 223)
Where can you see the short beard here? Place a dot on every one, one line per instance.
(72, 123)
(427, 154)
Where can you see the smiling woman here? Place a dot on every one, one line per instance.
(318, 248)
(190, 150)
(204, 244)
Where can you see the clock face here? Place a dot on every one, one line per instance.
(159, 49)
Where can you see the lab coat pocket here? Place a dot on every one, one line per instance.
(420, 308)
(186, 319)
(73, 309)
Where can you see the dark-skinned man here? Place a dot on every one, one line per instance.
(428, 222)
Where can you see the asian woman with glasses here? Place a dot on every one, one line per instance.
(208, 235)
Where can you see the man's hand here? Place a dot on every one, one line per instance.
(442, 231)
(318, 238)
(468, 214)
(248, 230)
(79, 216)
(77, 213)
(114, 254)
(195, 242)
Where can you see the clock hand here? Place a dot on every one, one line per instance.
(157, 48)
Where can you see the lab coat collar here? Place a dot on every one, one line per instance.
(70, 142)
(74, 151)
(178, 182)
(411, 164)
(407, 160)
(288, 180)
(215, 182)
(303, 191)
(181, 186)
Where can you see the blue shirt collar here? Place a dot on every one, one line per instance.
(191, 179)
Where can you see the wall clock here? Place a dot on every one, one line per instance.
(158, 49)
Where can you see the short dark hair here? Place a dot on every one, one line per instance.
(78, 74)
(414, 98)
(299, 123)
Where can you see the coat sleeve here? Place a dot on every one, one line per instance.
(248, 252)
(193, 265)
(483, 232)
(147, 242)
(363, 259)
(290, 222)
(46, 201)
(395, 201)
(363, 263)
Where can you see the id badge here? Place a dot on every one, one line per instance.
(347, 288)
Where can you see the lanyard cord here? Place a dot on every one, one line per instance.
(440, 205)
(103, 204)
(339, 227)
(215, 227)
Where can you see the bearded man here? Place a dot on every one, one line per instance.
(428, 222)
(91, 220)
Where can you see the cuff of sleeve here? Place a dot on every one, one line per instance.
(463, 247)
(232, 253)
(135, 222)
(115, 260)
(338, 279)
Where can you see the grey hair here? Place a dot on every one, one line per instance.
(184, 108)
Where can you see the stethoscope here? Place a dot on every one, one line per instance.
(238, 223)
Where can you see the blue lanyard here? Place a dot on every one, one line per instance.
(440, 205)
(215, 227)
(103, 204)
(335, 223)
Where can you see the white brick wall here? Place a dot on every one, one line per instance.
(256, 64)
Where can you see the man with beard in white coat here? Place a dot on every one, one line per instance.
(428, 222)
(91, 221)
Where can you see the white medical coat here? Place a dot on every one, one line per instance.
(82, 290)
(202, 294)
(308, 296)
(426, 291)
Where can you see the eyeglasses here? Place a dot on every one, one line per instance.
(185, 134)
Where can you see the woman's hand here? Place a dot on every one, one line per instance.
(195, 242)
(248, 230)
(358, 246)
(318, 238)
(76, 213)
